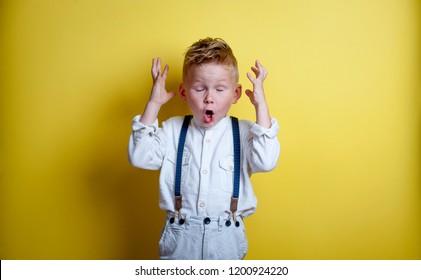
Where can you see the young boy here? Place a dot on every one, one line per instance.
(205, 161)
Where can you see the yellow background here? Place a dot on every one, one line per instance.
(344, 83)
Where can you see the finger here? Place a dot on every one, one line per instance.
(250, 77)
(258, 63)
(157, 68)
(153, 69)
(256, 71)
(171, 94)
(249, 93)
(164, 74)
(159, 63)
(262, 69)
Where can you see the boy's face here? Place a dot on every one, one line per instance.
(209, 89)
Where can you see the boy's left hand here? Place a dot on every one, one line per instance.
(257, 95)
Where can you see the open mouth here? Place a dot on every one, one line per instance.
(209, 116)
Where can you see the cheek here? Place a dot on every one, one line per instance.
(227, 104)
(230, 100)
(194, 103)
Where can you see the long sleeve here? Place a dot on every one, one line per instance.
(146, 145)
(263, 147)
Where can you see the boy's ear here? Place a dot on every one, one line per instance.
(182, 92)
(237, 93)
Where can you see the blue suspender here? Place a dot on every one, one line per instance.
(236, 181)
(179, 162)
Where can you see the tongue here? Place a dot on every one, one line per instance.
(208, 116)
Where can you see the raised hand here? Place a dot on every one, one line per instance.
(257, 95)
(159, 94)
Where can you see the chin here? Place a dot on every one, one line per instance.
(208, 125)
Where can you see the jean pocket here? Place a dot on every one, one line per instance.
(167, 242)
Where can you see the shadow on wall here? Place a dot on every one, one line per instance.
(129, 194)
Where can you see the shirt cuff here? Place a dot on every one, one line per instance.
(138, 126)
(269, 132)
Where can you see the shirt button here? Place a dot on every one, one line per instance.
(207, 221)
(205, 171)
(202, 204)
(207, 140)
(231, 168)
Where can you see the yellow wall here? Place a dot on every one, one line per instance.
(343, 82)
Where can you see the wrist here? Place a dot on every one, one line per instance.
(261, 106)
(153, 107)
(150, 113)
(154, 104)
(262, 115)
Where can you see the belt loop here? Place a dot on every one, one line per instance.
(187, 221)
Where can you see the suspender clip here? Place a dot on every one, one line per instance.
(234, 218)
(177, 215)
(234, 204)
(177, 212)
(178, 202)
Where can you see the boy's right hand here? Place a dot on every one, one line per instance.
(159, 94)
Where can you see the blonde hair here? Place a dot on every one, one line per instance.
(209, 50)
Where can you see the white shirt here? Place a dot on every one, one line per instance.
(208, 162)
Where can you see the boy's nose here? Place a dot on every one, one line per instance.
(208, 98)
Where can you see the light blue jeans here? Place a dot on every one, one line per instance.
(197, 240)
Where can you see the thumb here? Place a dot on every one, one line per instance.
(249, 93)
(171, 94)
